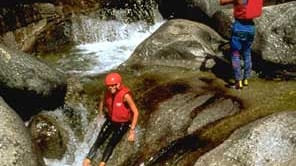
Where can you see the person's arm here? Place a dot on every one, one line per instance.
(226, 2)
(135, 111)
(101, 106)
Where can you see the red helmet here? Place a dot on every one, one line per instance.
(112, 78)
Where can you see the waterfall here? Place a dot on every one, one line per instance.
(102, 45)
(76, 150)
(91, 28)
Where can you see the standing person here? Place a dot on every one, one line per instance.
(122, 116)
(243, 32)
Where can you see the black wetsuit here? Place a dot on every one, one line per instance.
(114, 129)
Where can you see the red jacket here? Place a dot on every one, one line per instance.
(118, 110)
(251, 9)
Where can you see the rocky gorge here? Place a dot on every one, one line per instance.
(188, 116)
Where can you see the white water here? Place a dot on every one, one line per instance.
(101, 46)
(109, 54)
(76, 150)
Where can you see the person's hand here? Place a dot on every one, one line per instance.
(99, 120)
(101, 115)
(86, 162)
(131, 135)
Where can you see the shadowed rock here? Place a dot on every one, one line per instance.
(182, 9)
(274, 48)
(276, 31)
(28, 85)
(48, 135)
(12, 3)
(15, 141)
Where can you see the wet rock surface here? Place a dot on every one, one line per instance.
(15, 141)
(267, 141)
(179, 43)
(273, 41)
(29, 85)
(49, 138)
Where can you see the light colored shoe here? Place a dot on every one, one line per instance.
(245, 82)
(86, 162)
(238, 85)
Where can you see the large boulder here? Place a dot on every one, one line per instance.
(179, 43)
(15, 141)
(274, 45)
(37, 26)
(276, 30)
(40, 27)
(268, 141)
(27, 84)
(49, 137)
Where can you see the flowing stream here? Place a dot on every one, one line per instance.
(101, 46)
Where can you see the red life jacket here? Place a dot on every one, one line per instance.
(118, 111)
(251, 9)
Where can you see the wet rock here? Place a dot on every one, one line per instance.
(276, 34)
(179, 43)
(16, 17)
(209, 7)
(275, 37)
(13, 3)
(275, 2)
(29, 85)
(218, 110)
(267, 141)
(15, 141)
(48, 136)
(56, 35)
(40, 27)
(50, 32)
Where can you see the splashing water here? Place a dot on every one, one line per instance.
(76, 150)
(109, 54)
(102, 45)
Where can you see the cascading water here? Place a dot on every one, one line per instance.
(101, 46)
(76, 150)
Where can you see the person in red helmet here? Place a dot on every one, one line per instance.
(122, 117)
